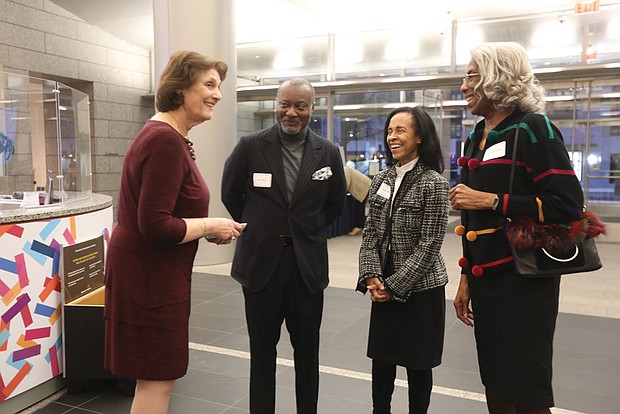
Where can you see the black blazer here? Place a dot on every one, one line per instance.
(254, 192)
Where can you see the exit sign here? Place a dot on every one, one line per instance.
(587, 6)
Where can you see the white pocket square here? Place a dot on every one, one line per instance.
(322, 174)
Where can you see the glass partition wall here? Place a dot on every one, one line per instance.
(44, 143)
(361, 77)
(438, 45)
(586, 110)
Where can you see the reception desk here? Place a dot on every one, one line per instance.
(30, 290)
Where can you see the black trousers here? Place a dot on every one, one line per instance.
(420, 384)
(285, 298)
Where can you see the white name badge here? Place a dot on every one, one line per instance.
(496, 151)
(384, 191)
(262, 180)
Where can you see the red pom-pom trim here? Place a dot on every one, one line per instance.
(463, 262)
(473, 164)
(477, 271)
(462, 161)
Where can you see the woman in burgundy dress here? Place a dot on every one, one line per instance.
(162, 212)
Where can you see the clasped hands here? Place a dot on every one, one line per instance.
(378, 292)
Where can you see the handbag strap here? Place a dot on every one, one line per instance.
(514, 154)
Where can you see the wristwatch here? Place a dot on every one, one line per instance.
(495, 203)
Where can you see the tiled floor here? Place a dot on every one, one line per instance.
(587, 349)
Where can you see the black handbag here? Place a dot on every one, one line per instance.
(541, 250)
(541, 262)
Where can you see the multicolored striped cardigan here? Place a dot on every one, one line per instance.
(545, 188)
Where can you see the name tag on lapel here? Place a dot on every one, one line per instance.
(384, 191)
(496, 151)
(262, 180)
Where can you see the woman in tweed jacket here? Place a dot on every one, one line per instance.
(400, 261)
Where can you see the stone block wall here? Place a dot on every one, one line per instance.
(39, 38)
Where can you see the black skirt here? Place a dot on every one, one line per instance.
(409, 334)
(514, 323)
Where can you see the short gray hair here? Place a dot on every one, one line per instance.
(300, 83)
(506, 77)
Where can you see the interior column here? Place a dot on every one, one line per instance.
(208, 27)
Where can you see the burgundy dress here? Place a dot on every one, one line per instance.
(148, 274)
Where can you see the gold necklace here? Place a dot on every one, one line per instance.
(176, 121)
(190, 144)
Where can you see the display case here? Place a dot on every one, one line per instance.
(45, 156)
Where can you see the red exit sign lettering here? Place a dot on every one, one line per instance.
(582, 7)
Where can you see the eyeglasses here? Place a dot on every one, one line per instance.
(469, 76)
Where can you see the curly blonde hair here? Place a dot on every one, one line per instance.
(506, 77)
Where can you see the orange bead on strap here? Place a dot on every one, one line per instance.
(471, 236)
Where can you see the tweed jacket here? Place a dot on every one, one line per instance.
(418, 228)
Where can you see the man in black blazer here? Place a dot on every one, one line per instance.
(288, 184)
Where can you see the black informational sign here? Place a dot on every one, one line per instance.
(82, 268)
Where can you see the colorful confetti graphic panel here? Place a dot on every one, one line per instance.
(30, 296)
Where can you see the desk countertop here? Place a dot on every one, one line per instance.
(88, 203)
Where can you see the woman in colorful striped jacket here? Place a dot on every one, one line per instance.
(515, 316)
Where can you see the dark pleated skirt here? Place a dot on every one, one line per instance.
(409, 334)
(514, 324)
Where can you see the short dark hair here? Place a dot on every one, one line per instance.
(181, 72)
(429, 148)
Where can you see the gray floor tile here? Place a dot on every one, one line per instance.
(586, 363)
(218, 364)
(205, 336)
(237, 340)
(55, 408)
(211, 387)
(216, 323)
(113, 401)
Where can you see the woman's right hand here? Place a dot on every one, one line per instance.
(461, 302)
(222, 230)
(463, 197)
